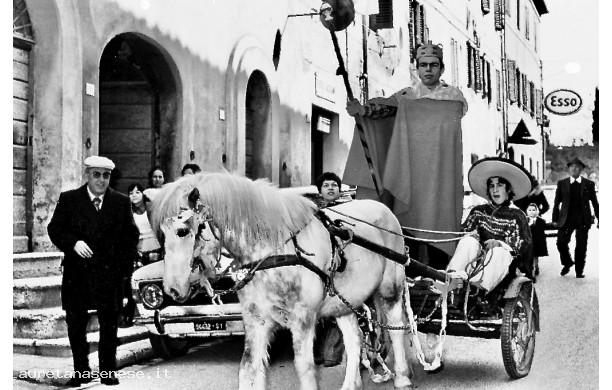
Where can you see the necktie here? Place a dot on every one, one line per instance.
(96, 201)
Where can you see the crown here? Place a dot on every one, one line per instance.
(429, 50)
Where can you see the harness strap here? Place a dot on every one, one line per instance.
(289, 260)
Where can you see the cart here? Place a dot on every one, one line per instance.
(445, 305)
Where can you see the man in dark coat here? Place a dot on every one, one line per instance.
(94, 227)
(572, 211)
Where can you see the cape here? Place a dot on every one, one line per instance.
(417, 156)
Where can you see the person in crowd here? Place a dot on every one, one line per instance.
(190, 169)
(572, 212)
(157, 178)
(418, 155)
(94, 227)
(537, 225)
(535, 196)
(328, 347)
(148, 247)
(500, 230)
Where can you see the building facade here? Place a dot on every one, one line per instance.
(245, 86)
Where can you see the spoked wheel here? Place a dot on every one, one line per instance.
(375, 338)
(518, 333)
(167, 347)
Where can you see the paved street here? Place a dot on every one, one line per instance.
(566, 349)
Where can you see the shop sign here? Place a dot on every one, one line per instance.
(563, 102)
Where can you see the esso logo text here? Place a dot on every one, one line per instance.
(563, 102)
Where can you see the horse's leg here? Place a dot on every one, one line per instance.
(351, 334)
(393, 309)
(303, 335)
(254, 362)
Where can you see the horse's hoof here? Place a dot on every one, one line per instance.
(437, 370)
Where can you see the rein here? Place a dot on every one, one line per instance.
(404, 229)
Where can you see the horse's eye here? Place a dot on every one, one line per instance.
(182, 232)
(202, 226)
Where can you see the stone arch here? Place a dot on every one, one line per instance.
(139, 107)
(247, 58)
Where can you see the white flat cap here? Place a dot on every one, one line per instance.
(99, 162)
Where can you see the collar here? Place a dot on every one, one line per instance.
(579, 180)
(92, 196)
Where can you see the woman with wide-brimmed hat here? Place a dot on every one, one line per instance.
(501, 230)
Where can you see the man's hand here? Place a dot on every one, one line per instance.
(82, 249)
(354, 108)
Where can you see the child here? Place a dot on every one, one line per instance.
(537, 225)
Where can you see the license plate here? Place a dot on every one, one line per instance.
(210, 326)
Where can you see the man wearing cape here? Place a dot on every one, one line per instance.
(414, 139)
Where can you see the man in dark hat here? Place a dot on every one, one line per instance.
(572, 211)
(94, 227)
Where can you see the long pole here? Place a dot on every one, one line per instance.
(342, 71)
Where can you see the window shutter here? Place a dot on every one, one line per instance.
(384, 18)
(422, 26)
(511, 76)
(479, 71)
(486, 6)
(532, 99)
(525, 93)
(539, 99)
(470, 66)
(499, 15)
(498, 89)
(488, 81)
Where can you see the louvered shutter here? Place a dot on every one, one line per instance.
(498, 89)
(525, 92)
(384, 18)
(511, 76)
(478, 62)
(486, 6)
(539, 98)
(499, 15)
(470, 67)
(424, 25)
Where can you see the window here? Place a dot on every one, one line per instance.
(22, 26)
(532, 99)
(530, 165)
(487, 81)
(518, 14)
(473, 65)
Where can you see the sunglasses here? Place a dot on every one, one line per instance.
(96, 175)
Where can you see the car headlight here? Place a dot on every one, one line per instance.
(152, 296)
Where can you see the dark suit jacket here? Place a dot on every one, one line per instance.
(562, 197)
(112, 236)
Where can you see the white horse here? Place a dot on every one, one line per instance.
(253, 220)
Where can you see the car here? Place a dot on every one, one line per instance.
(173, 326)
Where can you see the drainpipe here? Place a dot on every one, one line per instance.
(504, 88)
(365, 94)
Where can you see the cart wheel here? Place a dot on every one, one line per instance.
(376, 339)
(167, 347)
(518, 333)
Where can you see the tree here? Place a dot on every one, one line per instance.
(596, 118)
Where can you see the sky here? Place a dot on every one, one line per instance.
(570, 55)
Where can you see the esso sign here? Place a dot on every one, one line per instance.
(563, 102)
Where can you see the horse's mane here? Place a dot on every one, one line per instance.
(254, 210)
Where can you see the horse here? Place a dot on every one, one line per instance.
(206, 214)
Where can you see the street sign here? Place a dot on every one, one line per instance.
(563, 102)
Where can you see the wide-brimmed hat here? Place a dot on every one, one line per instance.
(99, 162)
(485, 168)
(577, 161)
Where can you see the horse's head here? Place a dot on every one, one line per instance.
(191, 247)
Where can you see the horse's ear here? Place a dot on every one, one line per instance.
(193, 197)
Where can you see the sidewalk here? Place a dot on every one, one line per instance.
(56, 370)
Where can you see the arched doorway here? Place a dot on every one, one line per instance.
(138, 108)
(258, 161)
(23, 42)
